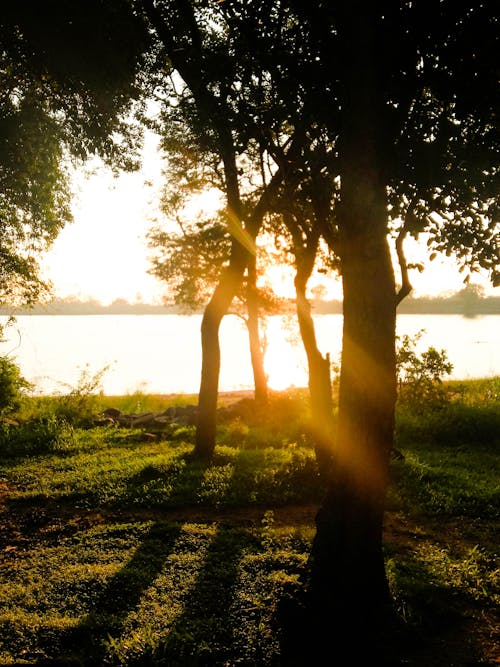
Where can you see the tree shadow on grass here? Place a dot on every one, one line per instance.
(207, 630)
(200, 634)
(87, 643)
(203, 634)
(123, 593)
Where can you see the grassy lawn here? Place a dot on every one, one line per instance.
(118, 549)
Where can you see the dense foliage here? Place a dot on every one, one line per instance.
(12, 386)
(68, 80)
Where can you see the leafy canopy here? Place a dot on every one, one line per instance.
(69, 76)
(268, 70)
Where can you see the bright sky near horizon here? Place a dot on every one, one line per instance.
(103, 255)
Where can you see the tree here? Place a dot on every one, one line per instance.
(304, 205)
(416, 137)
(190, 263)
(193, 260)
(420, 377)
(228, 106)
(415, 145)
(68, 78)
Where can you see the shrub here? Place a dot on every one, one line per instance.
(12, 386)
(80, 405)
(37, 436)
(420, 376)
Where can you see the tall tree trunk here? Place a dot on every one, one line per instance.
(347, 575)
(217, 307)
(256, 354)
(348, 581)
(320, 387)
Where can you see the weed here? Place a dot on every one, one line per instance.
(79, 405)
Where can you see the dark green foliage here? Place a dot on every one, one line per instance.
(39, 436)
(81, 60)
(420, 376)
(12, 386)
(69, 76)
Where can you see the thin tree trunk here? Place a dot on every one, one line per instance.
(217, 307)
(256, 354)
(305, 243)
(320, 387)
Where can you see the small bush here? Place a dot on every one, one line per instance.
(81, 404)
(12, 386)
(38, 436)
(420, 377)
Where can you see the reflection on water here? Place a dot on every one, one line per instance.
(161, 353)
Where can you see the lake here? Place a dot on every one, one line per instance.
(161, 353)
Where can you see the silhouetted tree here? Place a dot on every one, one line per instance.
(408, 97)
(304, 204)
(190, 263)
(68, 77)
(234, 115)
(412, 103)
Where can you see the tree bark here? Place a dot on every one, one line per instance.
(320, 387)
(347, 577)
(347, 567)
(256, 353)
(217, 307)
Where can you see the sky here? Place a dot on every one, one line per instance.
(103, 254)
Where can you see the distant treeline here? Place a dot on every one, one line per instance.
(91, 307)
(466, 302)
(453, 305)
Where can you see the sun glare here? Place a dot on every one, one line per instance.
(283, 372)
(284, 363)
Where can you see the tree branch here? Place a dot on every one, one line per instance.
(406, 286)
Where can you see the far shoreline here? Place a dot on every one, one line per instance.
(456, 304)
(491, 306)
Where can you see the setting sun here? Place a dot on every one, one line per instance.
(283, 368)
(285, 361)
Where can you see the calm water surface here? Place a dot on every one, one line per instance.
(161, 353)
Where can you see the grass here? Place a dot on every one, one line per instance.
(122, 550)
